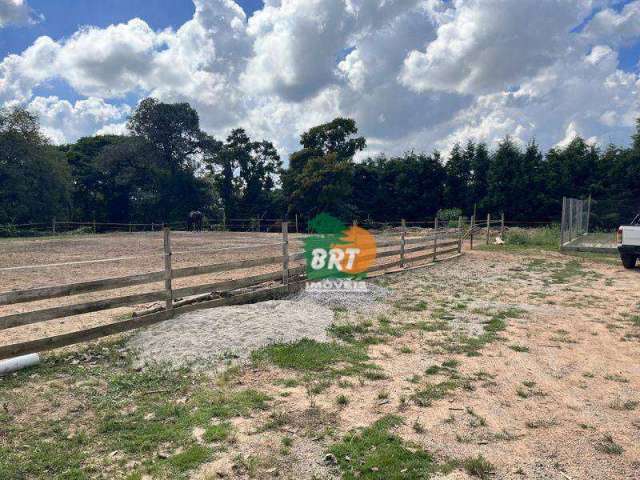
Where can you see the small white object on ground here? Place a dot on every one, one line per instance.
(499, 241)
(18, 363)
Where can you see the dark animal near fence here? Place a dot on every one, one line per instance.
(194, 222)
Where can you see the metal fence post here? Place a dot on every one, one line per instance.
(435, 239)
(502, 226)
(168, 275)
(403, 241)
(488, 227)
(297, 229)
(570, 219)
(285, 253)
(563, 220)
(53, 225)
(589, 213)
(459, 234)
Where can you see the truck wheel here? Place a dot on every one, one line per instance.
(629, 261)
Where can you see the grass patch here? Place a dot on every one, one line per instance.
(115, 409)
(217, 433)
(190, 458)
(479, 467)
(309, 356)
(519, 348)
(374, 453)
(608, 445)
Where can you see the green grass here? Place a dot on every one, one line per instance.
(407, 305)
(542, 238)
(217, 433)
(519, 348)
(479, 467)
(136, 413)
(374, 453)
(609, 446)
(190, 458)
(435, 391)
(309, 356)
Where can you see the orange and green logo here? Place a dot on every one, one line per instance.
(337, 251)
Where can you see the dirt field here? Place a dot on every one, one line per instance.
(502, 365)
(123, 254)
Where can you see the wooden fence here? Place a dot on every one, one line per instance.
(290, 277)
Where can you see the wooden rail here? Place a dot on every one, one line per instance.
(289, 275)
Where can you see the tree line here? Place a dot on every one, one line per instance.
(167, 166)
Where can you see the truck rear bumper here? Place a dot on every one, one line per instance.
(629, 249)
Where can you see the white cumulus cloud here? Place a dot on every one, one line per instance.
(415, 74)
(16, 12)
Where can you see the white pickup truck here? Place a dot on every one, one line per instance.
(629, 243)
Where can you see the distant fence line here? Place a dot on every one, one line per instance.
(266, 225)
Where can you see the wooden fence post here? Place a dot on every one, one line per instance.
(473, 221)
(460, 234)
(403, 242)
(502, 226)
(435, 239)
(53, 225)
(285, 253)
(488, 227)
(297, 229)
(167, 268)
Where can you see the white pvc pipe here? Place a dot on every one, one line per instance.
(14, 364)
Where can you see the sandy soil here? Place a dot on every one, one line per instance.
(542, 412)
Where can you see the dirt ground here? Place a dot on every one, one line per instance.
(555, 396)
(528, 359)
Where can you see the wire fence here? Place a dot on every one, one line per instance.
(575, 219)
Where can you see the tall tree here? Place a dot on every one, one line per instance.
(35, 179)
(457, 191)
(173, 130)
(319, 177)
(244, 172)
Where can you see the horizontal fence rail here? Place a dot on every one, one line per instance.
(435, 243)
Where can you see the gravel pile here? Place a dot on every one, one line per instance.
(345, 299)
(213, 336)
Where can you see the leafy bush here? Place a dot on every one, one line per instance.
(544, 237)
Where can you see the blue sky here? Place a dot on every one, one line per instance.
(64, 17)
(413, 74)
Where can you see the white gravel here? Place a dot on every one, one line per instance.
(214, 335)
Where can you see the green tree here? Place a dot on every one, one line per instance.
(319, 178)
(458, 183)
(35, 179)
(173, 130)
